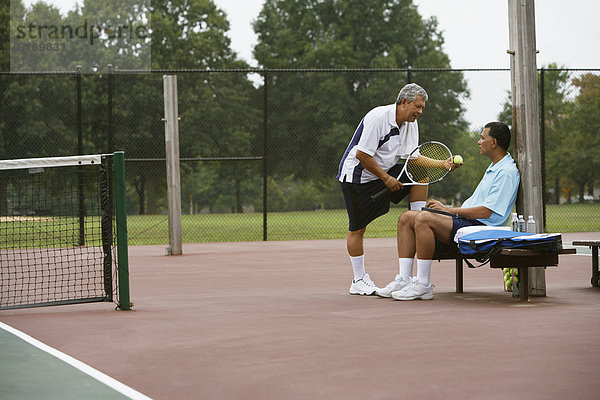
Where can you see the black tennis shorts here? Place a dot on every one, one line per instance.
(361, 208)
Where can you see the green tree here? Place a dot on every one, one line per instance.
(218, 113)
(5, 33)
(34, 118)
(313, 114)
(557, 108)
(581, 142)
(190, 34)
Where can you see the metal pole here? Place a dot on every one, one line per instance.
(543, 146)
(265, 149)
(80, 196)
(111, 115)
(121, 228)
(79, 111)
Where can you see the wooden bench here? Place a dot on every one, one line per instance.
(507, 258)
(594, 244)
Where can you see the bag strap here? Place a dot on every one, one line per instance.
(485, 257)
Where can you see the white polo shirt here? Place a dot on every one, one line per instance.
(379, 136)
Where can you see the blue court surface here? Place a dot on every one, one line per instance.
(31, 370)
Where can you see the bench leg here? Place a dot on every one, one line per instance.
(595, 273)
(459, 275)
(524, 283)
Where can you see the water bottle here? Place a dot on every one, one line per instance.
(521, 224)
(531, 225)
(514, 222)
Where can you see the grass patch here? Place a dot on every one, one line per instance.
(301, 225)
(305, 225)
(573, 217)
(311, 225)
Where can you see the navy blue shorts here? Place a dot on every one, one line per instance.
(359, 205)
(457, 223)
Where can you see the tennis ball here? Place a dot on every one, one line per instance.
(457, 159)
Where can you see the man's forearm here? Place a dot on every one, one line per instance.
(472, 212)
(371, 165)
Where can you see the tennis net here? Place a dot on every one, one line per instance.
(56, 231)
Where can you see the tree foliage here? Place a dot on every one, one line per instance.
(571, 129)
(580, 144)
(219, 112)
(374, 46)
(315, 114)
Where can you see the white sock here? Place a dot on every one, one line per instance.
(358, 265)
(406, 268)
(423, 271)
(417, 205)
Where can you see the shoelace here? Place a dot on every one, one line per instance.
(368, 282)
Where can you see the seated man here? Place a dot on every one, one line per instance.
(490, 204)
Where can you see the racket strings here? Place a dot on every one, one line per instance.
(430, 168)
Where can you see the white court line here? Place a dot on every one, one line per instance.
(86, 369)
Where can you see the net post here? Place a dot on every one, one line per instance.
(121, 228)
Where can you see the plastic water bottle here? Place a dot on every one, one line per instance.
(521, 224)
(531, 225)
(514, 222)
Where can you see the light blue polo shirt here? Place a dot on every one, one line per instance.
(497, 191)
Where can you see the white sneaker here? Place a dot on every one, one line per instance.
(395, 285)
(416, 290)
(363, 286)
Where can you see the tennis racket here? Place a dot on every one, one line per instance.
(425, 165)
(433, 210)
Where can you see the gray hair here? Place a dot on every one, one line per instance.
(410, 93)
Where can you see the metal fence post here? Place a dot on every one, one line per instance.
(80, 195)
(111, 115)
(265, 149)
(543, 145)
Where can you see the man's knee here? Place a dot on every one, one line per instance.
(357, 234)
(440, 225)
(424, 219)
(407, 218)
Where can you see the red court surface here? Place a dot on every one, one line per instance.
(274, 320)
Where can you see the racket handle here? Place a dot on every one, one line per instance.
(377, 195)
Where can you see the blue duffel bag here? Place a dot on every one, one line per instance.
(485, 244)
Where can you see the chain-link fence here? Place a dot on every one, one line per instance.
(260, 148)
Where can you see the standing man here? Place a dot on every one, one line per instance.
(490, 204)
(386, 134)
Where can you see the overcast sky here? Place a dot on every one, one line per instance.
(476, 31)
(475, 34)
